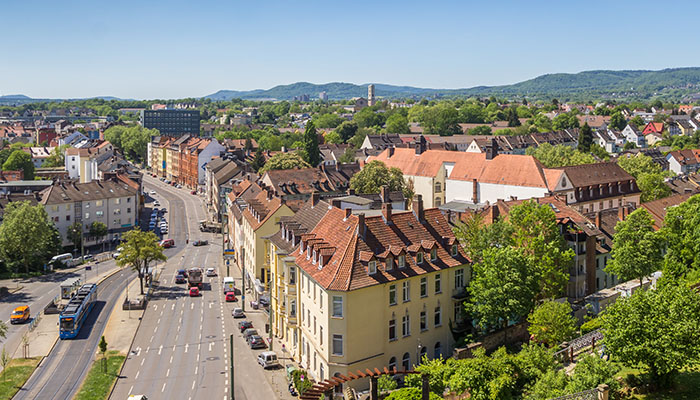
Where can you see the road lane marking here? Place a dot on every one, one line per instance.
(160, 349)
(171, 359)
(155, 330)
(191, 306)
(155, 307)
(151, 338)
(132, 388)
(197, 357)
(167, 374)
(158, 321)
(193, 382)
(137, 374)
(173, 307)
(142, 360)
(186, 347)
(180, 320)
(163, 389)
(210, 343)
(209, 305)
(138, 351)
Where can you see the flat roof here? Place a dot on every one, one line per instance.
(27, 183)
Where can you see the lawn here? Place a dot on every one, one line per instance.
(686, 386)
(98, 384)
(14, 376)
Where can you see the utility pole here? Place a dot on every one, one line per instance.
(233, 395)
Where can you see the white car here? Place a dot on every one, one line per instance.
(116, 254)
(152, 193)
(156, 204)
(211, 272)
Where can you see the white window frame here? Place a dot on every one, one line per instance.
(337, 300)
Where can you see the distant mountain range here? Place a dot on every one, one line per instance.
(676, 84)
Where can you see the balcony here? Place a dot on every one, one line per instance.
(459, 294)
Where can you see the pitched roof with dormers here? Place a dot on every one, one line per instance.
(596, 174)
(345, 248)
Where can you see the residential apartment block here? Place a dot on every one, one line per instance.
(182, 159)
(171, 122)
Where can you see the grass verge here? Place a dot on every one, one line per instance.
(98, 384)
(13, 377)
(686, 386)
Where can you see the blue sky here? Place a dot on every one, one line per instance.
(173, 49)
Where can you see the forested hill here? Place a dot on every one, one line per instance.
(671, 84)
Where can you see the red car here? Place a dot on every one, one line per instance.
(193, 192)
(167, 243)
(230, 296)
(194, 291)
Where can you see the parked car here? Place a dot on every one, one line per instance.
(230, 296)
(194, 291)
(116, 254)
(88, 257)
(238, 313)
(179, 278)
(20, 315)
(256, 342)
(200, 242)
(268, 359)
(211, 272)
(167, 243)
(178, 186)
(243, 325)
(248, 333)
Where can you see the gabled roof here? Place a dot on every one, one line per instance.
(348, 246)
(658, 208)
(686, 157)
(62, 192)
(595, 174)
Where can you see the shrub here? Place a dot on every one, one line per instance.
(590, 325)
(301, 380)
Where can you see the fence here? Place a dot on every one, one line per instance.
(588, 340)
(599, 393)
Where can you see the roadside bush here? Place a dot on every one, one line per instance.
(409, 393)
(301, 380)
(590, 325)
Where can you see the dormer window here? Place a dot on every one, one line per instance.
(402, 261)
(313, 261)
(308, 252)
(433, 254)
(389, 263)
(454, 250)
(372, 267)
(419, 257)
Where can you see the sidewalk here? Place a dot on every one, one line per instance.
(122, 324)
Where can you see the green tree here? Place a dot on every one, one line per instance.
(441, 119)
(565, 121)
(258, 160)
(682, 260)
(367, 118)
(585, 138)
(397, 123)
(374, 175)
(650, 177)
(617, 121)
(103, 349)
(75, 234)
(27, 238)
(552, 323)
(4, 155)
(333, 137)
(472, 114)
(542, 123)
(657, 329)
(638, 121)
(313, 155)
(501, 289)
(591, 371)
(139, 250)
(552, 384)
(476, 236)
(536, 232)
(326, 121)
(386, 383)
(3, 329)
(348, 156)
(410, 393)
(559, 155)
(637, 248)
(56, 158)
(284, 161)
(20, 160)
(639, 164)
(653, 187)
(480, 130)
(4, 361)
(98, 230)
(598, 151)
(132, 140)
(347, 130)
(484, 377)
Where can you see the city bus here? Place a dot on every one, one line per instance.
(76, 312)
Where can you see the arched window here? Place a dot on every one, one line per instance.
(338, 387)
(423, 353)
(438, 350)
(392, 363)
(406, 361)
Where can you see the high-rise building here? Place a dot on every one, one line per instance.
(323, 96)
(370, 95)
(172, 122)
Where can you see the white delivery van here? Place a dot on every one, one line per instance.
(228, 285)
(268, 359)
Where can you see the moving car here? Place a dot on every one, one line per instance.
(167, 243)
(116, 254)
(230, 296)
(238, 313)
(88, 257)
(256, 342)
(193, 192)
(243, 325)
(268, 359)
(156, 203)
(152, 193)
(182, 272)
(211, 272)
(179, 278)
(200, 242)
(20, 315)
(194, 291)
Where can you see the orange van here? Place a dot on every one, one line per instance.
(20, 315)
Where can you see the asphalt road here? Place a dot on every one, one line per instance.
(60, 374)
(181, 349)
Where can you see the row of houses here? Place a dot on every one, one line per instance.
(182, 159)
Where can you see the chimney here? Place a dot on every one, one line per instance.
(335, 203)
(386, 212)
(315, 197)
(417, 207)
(385, 194)
(351, 192)
(348, 213)
(361, 225)
(597, 219)
(491, 149)
(420, 145)
(475, 191)
(391, 152)
(621, 212)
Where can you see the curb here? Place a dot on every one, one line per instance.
(136, 332)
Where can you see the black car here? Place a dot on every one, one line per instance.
(179, 278)
(182, 272)
(200, 242)
(243, 325)
(256, 342)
